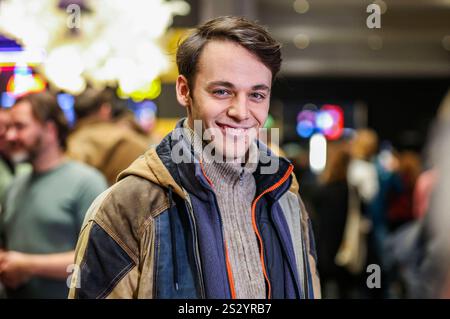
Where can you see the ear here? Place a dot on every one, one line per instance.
(183, 92)
(51, 130)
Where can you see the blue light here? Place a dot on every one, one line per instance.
(305, 129)
(66, 103)
(7, 100)
(22, 70)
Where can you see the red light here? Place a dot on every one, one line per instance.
(337, 114)
(35, 83)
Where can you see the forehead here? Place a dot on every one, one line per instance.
(22, 111)
(223, 60)
(4, 115)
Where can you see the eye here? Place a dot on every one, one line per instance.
(257, 96)
(221, 93)
(19, 126)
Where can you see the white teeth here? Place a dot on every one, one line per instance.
(235, 131)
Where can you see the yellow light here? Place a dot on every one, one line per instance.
(34, 84)
(121, 93)
(149, 91)
(155, 89)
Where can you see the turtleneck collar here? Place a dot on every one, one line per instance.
(223, 171)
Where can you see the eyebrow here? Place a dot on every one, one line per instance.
(231, 85)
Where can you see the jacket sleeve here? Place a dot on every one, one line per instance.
(308, 237)
(108, 262)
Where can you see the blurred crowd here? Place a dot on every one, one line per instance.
(49, 176)
(371, 205)
(375, 205)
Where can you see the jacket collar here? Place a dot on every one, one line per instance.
(187, 171)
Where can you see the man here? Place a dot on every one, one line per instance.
(44, 209)
(6, 167)
(217, 225)
(97, 141)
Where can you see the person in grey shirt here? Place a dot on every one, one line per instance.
(44, 209)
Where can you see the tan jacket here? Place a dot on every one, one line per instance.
(105, 146)
(124, 246)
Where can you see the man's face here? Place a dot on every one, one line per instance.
(5, 122)
(231, 96)
(26, 134)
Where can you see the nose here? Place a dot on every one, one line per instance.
(11, 134)
(239, 108)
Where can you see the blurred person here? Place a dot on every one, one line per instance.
(362, 172)
(206, 228)
(331, 204)
(434, 270)
(307, 180)
(8, 169)
(420, 249)
(6, 165)
(127, 120)
(390, 188)
(97, 141)
(122, 115)
(422, 192)
(400, 209)
(363, 175)
(388, 202)
(428, 178)
(44, 209)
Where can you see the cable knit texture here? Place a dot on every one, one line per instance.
(235, 188)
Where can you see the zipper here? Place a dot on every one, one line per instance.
(227, 263)
(255, 227)
(229, 273)
(196, 249)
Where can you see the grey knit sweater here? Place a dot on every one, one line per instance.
(234, 187)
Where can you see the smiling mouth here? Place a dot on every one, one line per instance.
(233, 130)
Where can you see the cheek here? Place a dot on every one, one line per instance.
(209, 110)
(260, 113)
(25, 137)
(29, 135)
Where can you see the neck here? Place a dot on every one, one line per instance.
(48, 159)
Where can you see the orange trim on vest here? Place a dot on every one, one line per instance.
(206, 176)
(273, 187)
(230, 273)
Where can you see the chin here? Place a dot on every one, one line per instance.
(20, 157)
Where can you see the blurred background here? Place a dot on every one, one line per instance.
(390, 78)
(357, 103)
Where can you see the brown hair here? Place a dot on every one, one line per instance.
(44, 108)
(410, 165)
(365, 144)
(90, 101)
(250, 35)
(338, 158)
